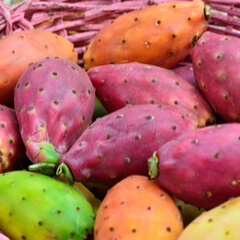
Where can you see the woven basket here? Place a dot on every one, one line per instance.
(78, 21)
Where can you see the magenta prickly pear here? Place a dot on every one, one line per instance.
(119, 144)
(186, 72)
(200, 167)
(138, 83)
(54, 103)
(216, 69)
(12, 150)
(3, 237)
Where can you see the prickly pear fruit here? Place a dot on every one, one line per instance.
(161, 34)
(120, 143)
(36, 206)
(20, 49)
(186, 72)
(200, 167)
(216, 70)
(12, 150)
(3, 237)
(138, 83)
(144, 210)
(54, 103)
(219, 223)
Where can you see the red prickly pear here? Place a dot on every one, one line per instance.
(12, 150)
(144, 210)
(120, 143)
(200, 167)
(161, 34)
(54, 103)
(138, 83)
(186, 72)
(218, 223)
(216, 69)
(19, 49)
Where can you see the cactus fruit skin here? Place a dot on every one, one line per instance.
(144, 210)
(201, 167)
(186, 72)
(12, 150)
(120, 143)
(36, 206)
(160, 34)
(54, 103)
(219, 223)
(20, 49)
(138, 83)
(216, 69)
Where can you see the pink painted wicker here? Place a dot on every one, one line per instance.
(78, 21)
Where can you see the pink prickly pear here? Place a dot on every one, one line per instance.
(138, 83)
(120, 143)
(186, 72)
(200, 167)
(3, 237)
(12, 150)
(54, 103)
(216, 69)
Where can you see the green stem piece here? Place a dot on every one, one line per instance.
(47, 153)
(153, 168)
(63, 171)
(45, 168)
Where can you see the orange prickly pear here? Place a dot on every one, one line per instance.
(137, 208)
(20, 49)
(161, 34)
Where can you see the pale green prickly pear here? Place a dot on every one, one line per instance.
(219, 223)
(36, 206)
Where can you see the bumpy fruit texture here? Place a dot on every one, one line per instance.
(202, 167)
(138, 83)
(12, 150)
(160, 34)
(186, 72)
(120, 143)
(36, 206)
(219, 223)
(54, 103)
(20, 49)
(216, 70)
(137, 208)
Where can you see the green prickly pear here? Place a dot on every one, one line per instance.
(36, 206)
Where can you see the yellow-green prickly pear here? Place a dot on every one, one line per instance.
(36, 206)
(220, 223)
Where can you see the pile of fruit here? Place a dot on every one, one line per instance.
(140, 142)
